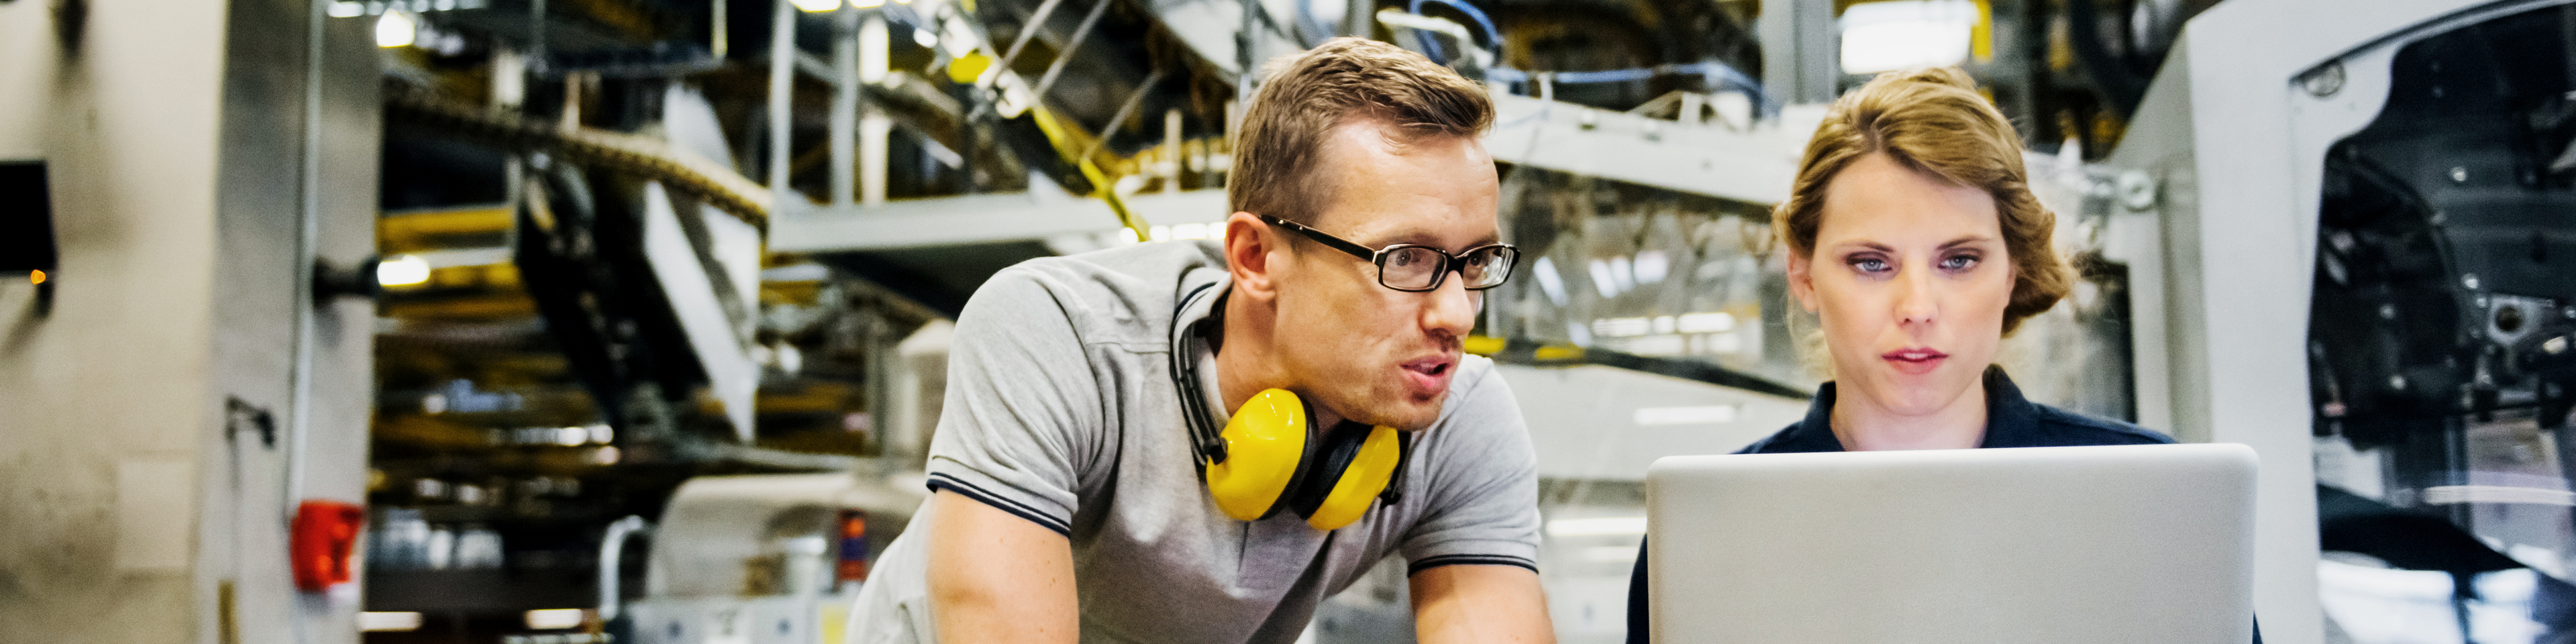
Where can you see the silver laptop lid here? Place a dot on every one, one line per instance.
(2049, 545)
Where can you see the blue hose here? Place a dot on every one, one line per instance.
(1493, 36)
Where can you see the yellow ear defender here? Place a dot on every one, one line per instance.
(1271, 457)
(1275, 460)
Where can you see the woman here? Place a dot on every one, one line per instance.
(1915, 241)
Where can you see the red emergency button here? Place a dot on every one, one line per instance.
(323, 535)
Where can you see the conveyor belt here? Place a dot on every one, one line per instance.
(697, 178)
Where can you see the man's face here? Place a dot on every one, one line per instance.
(1367, 352)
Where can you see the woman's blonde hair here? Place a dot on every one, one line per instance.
(1933, 121)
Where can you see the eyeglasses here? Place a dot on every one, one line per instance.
(1415, 268)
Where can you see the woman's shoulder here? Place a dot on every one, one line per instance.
(2070, 429)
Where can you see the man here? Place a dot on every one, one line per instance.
(1069, 504)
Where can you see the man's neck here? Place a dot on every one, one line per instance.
(1863, 425)
(1247, 361)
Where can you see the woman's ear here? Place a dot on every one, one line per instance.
(1802, 282)
(1249, 246)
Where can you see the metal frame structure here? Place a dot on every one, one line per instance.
(2238, 145)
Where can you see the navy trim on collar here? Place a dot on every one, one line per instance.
(2011, 421)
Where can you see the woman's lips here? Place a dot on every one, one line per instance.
(1431, 375)
(1917, 361)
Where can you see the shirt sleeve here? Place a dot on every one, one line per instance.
(1482, 485)
(1022, 414)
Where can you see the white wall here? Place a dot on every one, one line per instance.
(123, 507)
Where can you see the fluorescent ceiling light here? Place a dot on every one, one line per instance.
(1621, 327)
(554, 618)
(1905, 34)
(402, 270)
(379, 622)
(1699, 415)
(812, 6)
(1596, 527)
(1712, 322)
(396, 29)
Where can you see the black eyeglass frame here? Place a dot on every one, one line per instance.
(1377, 256)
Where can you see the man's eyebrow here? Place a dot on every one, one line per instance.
(1425, 238)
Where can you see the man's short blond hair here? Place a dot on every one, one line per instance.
(1933, 121)
(1278, 148)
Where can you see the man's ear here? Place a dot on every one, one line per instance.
(1802, 282)
(1252, 256)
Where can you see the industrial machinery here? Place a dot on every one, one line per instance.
(662, 282)
(2357, 224)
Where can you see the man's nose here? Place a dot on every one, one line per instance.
(1452, 309)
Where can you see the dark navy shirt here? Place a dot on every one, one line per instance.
(2011, 421)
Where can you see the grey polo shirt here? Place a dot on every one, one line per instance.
(1061, 409)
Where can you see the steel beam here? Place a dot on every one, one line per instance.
(974, 219)
(1754, 166)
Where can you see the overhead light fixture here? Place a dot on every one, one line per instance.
(554, 618)
(386, 621)
(1905, 34)
(1549, 282)
(396, 29)
(402, 270)
(1696, 415)
(817, 6)
(867, 4)
(1709, 322)
(1596, 527)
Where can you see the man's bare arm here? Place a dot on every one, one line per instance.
(1475, 604)
(996, 577)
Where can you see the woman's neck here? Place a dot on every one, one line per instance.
(1864, 425)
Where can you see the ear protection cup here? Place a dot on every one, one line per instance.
(1275, 461)
(1353, 467)
(1266, 447)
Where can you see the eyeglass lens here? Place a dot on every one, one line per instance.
(1420, 267)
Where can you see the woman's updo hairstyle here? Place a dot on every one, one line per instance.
(1932, 121)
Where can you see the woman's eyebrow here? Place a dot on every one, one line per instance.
(1864, 244)
(1963, 241)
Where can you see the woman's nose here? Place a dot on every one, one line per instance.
(1915, 301)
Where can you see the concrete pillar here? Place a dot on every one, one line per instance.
(201, 157)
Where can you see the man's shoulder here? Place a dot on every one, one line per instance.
(2073, 429)
(1129, 267)
(1135, 285)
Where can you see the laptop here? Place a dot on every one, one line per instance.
(2143, 544)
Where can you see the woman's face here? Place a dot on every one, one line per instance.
(1909, 277)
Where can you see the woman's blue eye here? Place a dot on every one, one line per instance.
(1869, 264)
(1958, 262)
